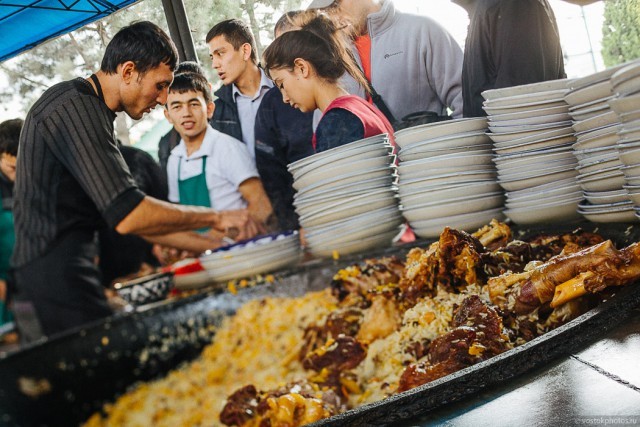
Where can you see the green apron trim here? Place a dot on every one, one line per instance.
(7, 242)
(193, 191)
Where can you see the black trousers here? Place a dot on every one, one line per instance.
(60, 290)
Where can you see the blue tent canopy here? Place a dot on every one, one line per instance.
(26, 23)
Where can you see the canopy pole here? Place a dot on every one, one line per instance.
(179, 29)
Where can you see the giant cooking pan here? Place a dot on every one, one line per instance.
(64, 380)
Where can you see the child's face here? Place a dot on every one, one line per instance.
(8, 166)
(295, 89)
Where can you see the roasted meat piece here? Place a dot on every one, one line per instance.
(337, 354)
(344, 321)
(292, 405)
(567, 277)
(380, 320)
(361, 279)
(494, 235)
(478, 334)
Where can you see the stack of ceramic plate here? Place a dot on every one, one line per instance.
(531, 129)
(446, 177)
(596, 127)
(345, 197)
(625, 84)
(255, 256)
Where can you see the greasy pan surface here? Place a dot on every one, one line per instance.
(63, 380)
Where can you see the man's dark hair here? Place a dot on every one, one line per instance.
(144, 43)
(237, 33)
(10, 136)
(189, 67)
(185, 82)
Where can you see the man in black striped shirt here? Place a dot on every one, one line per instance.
(72, 181)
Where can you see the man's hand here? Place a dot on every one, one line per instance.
(238, 224)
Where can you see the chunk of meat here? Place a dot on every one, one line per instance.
(344, 321)
(478, 335)
(338, 354)
(494, 235)
(361, 279)
(595, 267)
(380, 320)
(241, 406)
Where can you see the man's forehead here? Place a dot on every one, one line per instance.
(218, 42)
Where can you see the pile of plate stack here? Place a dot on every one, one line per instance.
(531, 129)
(259, 255)
(345, 197)
(447, 177)
(626, 85)
(601, 170)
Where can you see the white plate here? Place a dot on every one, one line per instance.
(432, 172)
(470, 139)
(376, 216)
(628, 87)
(352, 200)
(436, 130)
(595, 77)
(575, 195)
(323, 236)
(528, 113)
(324, 173)
(601, 120)
(632, 171)
(627, 215)
(343, 150)
(350, 189)
(603, 141)
(195, 280)
(341, 180)
(588, 113)
(277, 263)
(532, 98)
(629, 117)
(545, 212)
(496, 125)
(459, 159)
(519, 196)
(315, 218)
(418, 155)
(517, 176)
(531, 135)
(371, 242)
(626, 72)
(445, 179)
(449, 192)
(589, 93)
(524, 128)
(491, 110)
(603, 182)
(523, 158)
(634, 196)
(625, 104)
(521, 184)
(441, 209)
(546, 86)
(565, 142)
(357, 154)
(630, 157)
(468, 222)
(599, 166)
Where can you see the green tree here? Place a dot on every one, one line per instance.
(79, 53)
(621, 31)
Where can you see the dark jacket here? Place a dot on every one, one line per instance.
(225, 117)
(283, 135)
(509, 43)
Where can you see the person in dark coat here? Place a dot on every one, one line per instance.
(509, 43)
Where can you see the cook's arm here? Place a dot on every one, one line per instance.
(186, 241)
(258, 202)
(154, 217)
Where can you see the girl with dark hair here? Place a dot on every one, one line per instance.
(306, 65)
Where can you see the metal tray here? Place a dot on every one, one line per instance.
(63, 380)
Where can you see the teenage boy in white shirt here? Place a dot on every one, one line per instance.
(207, 167)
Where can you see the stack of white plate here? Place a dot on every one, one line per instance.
(625, 83)
(255, 256)
(446, 177)
(531, 130)
(596, 126)
(345, 197)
